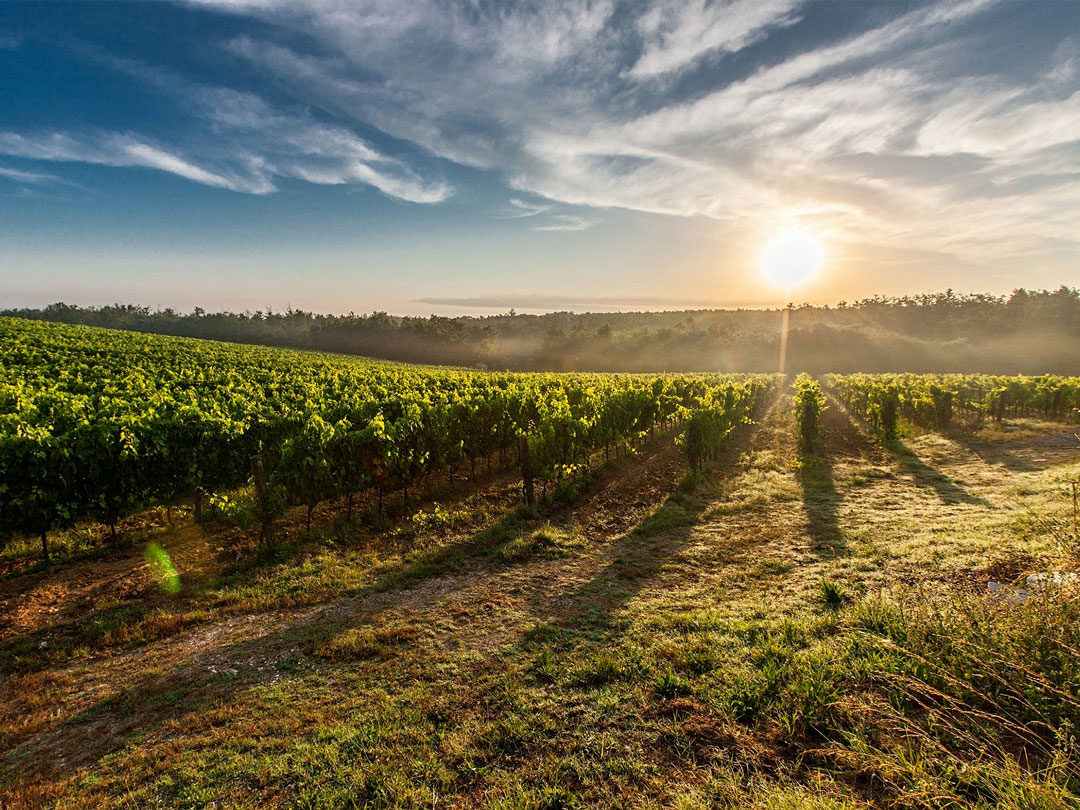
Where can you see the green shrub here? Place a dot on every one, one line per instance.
(809, 404)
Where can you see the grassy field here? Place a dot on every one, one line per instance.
(781, 632)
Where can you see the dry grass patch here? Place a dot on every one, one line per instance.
(369, 642)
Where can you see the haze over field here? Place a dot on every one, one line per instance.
(468, 158)
(1029, 332)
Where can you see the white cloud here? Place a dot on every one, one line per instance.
(1006, 123)
(20, 176)
(298, 146)
(523, 208)
(117, 149)
(565, 222)
(244, 146)
(892, 134)
(678, 33)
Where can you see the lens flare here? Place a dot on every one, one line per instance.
(163, 567)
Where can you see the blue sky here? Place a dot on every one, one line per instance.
(438, 156)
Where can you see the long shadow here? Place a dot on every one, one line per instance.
(637, 559)
(200, 681)
(640, 556)
(948, 490)
(821, 503)
(840, 438)
(25, 652)
(994, 453)
(189, 687)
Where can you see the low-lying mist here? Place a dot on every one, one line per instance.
(1024, 333)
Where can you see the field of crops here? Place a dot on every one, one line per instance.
(99, 424)
(724, 591)
(934, 401)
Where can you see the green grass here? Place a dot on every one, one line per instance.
(833, 593)
(777, 641)
(546, 541)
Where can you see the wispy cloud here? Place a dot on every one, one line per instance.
(118, 149)
(677, 34)
(565, 222)
(20, 176)
(562, 97)
(545, 216)
(110, 149)
(243, 146)
(523, 208)
(905, 127)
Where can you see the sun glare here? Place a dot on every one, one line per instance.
(791, 259)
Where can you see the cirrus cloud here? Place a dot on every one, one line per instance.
(244, 144)
(842, 130)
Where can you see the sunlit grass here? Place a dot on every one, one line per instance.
(713, 656)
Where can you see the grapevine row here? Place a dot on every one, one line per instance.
(934, 401)
(99, 424)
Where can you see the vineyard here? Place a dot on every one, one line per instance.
(935, 401)
(382, 585)
(98, 424)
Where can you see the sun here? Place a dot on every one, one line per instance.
(792, 258)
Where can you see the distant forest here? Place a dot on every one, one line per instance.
(1027, 332)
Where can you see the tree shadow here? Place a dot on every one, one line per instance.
(948, 490)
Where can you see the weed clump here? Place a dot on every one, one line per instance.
(668, 684)
(832, 593)
(958, 701)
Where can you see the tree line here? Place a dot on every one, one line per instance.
(1028, 332)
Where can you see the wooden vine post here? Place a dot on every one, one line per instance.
(259, 477)
(526, 470)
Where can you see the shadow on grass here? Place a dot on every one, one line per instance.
(821, 503)
(948, 490)
(642, 553)
(635, 562)
(1025, 454)
(190, 686)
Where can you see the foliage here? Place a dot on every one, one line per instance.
(717, 414)
(934, 400)
(1029, 331)
(97, 424)
(809, 403)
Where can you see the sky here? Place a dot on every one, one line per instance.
(469, 156)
